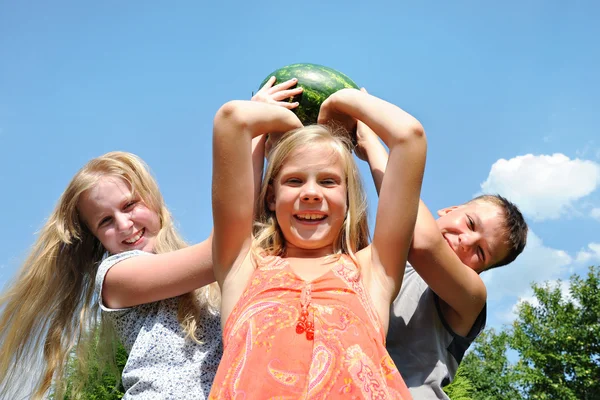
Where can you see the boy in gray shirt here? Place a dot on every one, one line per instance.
(441, 307)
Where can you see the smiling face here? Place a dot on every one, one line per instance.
(309, 198)
(476, 233)
(118, 218)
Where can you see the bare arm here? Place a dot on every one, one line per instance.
(401, 185)
(235, 125)
(459, 286)
(455, 283)
(371, 150)
(149, 278)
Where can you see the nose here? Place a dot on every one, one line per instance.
(123, 222)
(311, 192)
(468, 239)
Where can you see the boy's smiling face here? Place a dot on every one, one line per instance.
(475, 231)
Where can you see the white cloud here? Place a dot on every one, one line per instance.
(537, 263)
(595, 213)
(590, 255)
(510, 286)
(543, 186)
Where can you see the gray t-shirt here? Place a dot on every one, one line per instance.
(420, 341)
(162, 364)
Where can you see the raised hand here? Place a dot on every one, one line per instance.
(280, 94)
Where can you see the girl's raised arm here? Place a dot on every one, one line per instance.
(235, 125)
(401, 185)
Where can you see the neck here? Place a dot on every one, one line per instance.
(296, 252)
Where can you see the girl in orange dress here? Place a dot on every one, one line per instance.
(305, 296)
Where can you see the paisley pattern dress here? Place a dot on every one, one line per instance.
(287, 338)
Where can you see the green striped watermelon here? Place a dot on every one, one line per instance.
(318, 82)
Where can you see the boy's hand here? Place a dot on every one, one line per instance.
(280, 94)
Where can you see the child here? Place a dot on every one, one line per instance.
(306, 298)
(441, 307)
(172, 334)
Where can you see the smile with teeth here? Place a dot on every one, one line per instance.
(311, 217)
(137, 237)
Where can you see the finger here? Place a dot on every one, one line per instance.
(284, 94)
(362, 89)
(288, 105)
(268, 84)
(284, 85)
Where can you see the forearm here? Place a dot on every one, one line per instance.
(377, 157)
(258, 157)
(150, 278)
(388, 121)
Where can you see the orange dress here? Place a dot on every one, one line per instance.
(291, 339)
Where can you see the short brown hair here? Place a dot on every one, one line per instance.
(514, 224)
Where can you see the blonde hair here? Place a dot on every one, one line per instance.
(52, 304)
(354, 233)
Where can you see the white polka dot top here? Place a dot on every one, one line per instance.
(162, 364)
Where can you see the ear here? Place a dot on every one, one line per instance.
(270, 198)
(446, 210)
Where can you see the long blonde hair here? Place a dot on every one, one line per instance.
(52, 305)
(354, 233)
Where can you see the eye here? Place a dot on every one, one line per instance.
(470, 223)
(104, 221)
(293, 181)
(129, 205)
(328, 182)
(481, 253)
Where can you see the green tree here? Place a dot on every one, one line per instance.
(461, 387)
(98, 383)
(488, 369)
(556, 345)
(558, 341)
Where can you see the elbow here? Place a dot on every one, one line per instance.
(110, 300)
(229, 116)
(427, 239)
(411, 134)
(415, 132)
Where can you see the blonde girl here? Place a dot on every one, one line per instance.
(305, 296)
(152, 289)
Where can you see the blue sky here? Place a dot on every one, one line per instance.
(508, 95)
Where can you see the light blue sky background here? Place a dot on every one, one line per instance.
(508, 94)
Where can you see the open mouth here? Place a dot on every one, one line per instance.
(310, 217)
(135, 239)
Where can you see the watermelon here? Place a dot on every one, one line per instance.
(318, 82)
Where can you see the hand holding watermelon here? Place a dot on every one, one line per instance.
(276, 94)
(318, 83)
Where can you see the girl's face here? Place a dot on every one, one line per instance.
(308, 197)
(120, 220)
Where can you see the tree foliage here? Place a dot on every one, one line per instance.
(554, 342)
